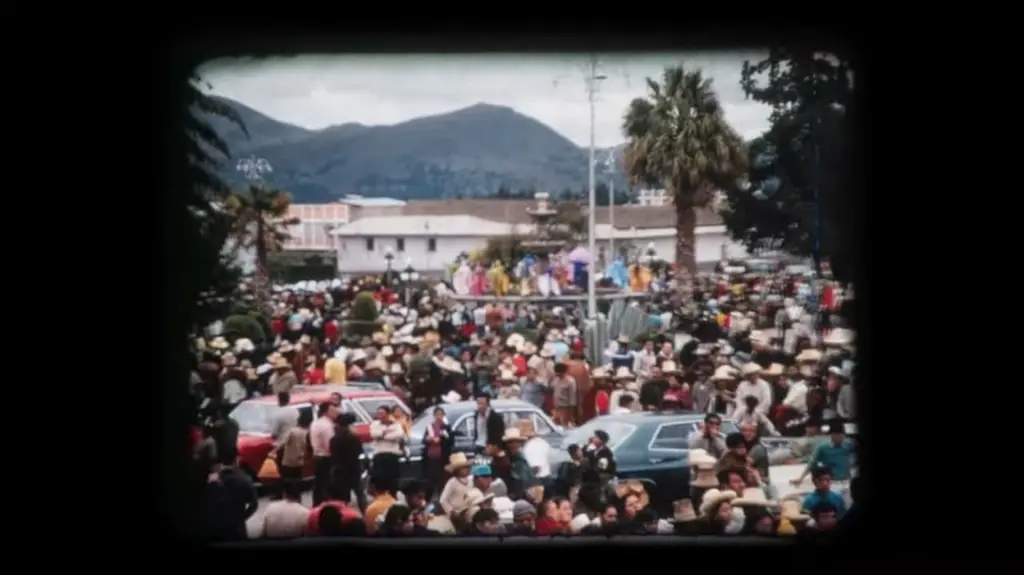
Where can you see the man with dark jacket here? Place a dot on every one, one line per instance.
(487, 426)
(346, 467)
(230, 500)
(600, 461)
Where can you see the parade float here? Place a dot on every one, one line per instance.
(548, 266)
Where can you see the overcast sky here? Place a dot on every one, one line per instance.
(316, 92)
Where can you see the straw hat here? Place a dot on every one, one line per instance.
(713, 497)
(449, 364)
(244, 344)
(838, 337)
(759, 337)
(228, 360)
(512, 434)
(387, 351)
(635, 487)
(304, 339)
(396, 368)
(515, 341)
(808, 355)
(285, 347)
(682, 511)
(378, 363)
(724, 373)
(473, 498)
(753, 497)
(507, 375)
(220, 342)
(669, 367)
(751, 368)
(554, 335)
(623, 339)
(599, 373)
(282, 363)
(357, 355)
(703, 465)
(528, 348)
(456, 461)
(622, 372)
(379, 338)
(792, 511)
(547, 351)
(774, 370)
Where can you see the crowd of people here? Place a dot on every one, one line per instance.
(770, 351)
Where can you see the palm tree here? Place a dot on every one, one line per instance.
(259, 220)
(677, 137)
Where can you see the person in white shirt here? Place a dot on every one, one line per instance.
(796, 392)
(645, 360)
(284, 418)
(535, 450)
(388, 440)
(287, 517)
(625, 404)
(752, 384)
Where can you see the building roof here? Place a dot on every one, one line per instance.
(424, 225)
(361, 202)
(514, 212)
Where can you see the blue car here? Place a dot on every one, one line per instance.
(460, 418)
(651, 447)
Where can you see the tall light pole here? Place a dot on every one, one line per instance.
(254, 168)
(592, 85)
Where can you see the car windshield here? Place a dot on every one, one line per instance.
(254, 416)
(760, 266)
(616, 430)
(420, 425)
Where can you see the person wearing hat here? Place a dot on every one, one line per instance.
(753, 385)
(457, 488)
(839, 401)
(835, 454)
(520, 479)
(524, 518)
(599, 461)
(283, 379)
(564, 395)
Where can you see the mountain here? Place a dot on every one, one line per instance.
(468, 152)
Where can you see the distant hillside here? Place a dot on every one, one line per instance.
(468, 152)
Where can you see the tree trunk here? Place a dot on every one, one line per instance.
(261, 278)
(686, 245)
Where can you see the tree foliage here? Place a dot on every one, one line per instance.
(677, 137)
(214, 276)
(792, 202)
(362, 320)
(244, 326)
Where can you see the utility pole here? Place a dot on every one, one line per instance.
(592, 86)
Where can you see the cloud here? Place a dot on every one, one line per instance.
(316, 92)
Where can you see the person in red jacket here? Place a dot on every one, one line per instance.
(331, 331)
(555, 517)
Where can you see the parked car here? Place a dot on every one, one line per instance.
(255, 416)
(460, 418)
(649, 446)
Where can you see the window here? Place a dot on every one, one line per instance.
(254, 416)
(369, 244)
(540, 425)
(400, 245)
(431, 244)
(512, 417)
(461, 429)
(347, 407)
(618, 432)
(371, 404)
(673, 436)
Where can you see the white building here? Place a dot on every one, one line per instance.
(313, 232)
(653, 198)
(433, 242)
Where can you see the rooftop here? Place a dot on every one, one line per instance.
(514, 212)
(423, 225)
(361, 202)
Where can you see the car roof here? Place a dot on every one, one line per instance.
(458, 408)
(658, 417)
(318, 393)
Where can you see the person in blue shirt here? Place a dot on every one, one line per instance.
(823, 493)
(836, 454)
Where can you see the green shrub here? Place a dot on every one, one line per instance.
(362, 320)
(237, 326)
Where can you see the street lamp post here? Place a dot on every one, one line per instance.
(592, 86)
(609, 169)
(388, 256)
(409, 274)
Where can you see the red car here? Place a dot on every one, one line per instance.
(255, 416)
